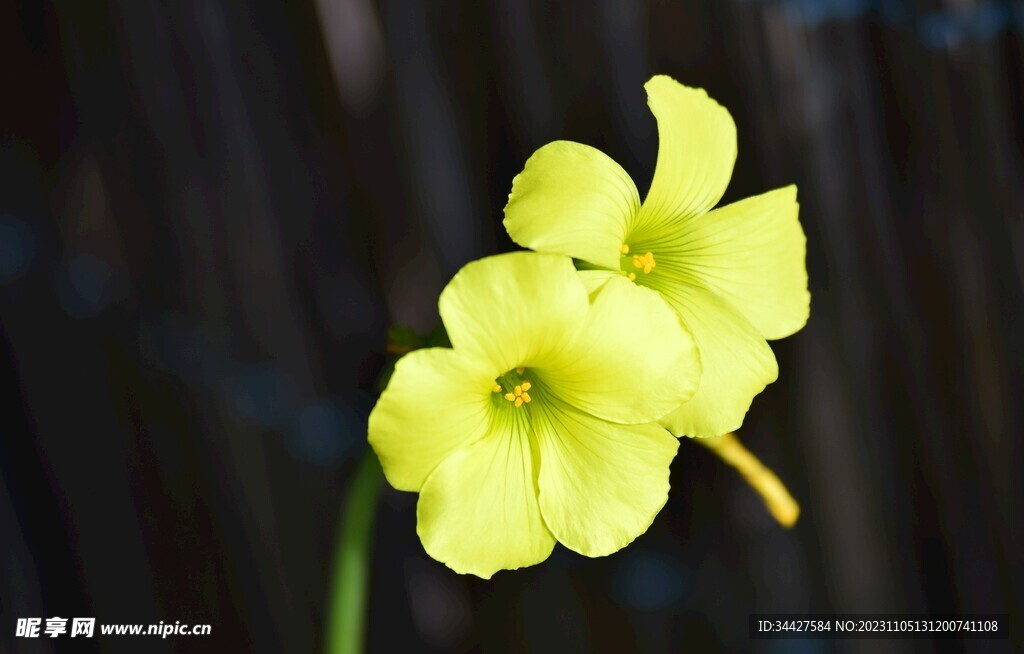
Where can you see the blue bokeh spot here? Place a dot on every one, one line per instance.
(17, 247)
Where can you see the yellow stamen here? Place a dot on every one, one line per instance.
(780, 503)
(632, 277)
(520, 370)
(625, 249)
(496, 389)
(518, 394)
(646, 262)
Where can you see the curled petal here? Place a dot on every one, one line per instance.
(572, 199)
(696, 153)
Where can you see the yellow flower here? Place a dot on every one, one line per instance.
(735, 275)
(539, 423)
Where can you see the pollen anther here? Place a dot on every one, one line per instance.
(646, 262)
(519, 396)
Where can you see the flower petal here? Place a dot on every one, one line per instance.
(478, 511)
(632, 362)
(595, 279)
(737, 364)
(572, 199)
(435, 402)
(696, 153)
(751, 253)
(512, 309)
(601, 485)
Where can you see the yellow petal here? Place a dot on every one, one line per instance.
(601, 485)
(595, 279)
(750, 253)
(633, 360)
(478, 511)
(513, 309)
(737, 364)
(572, 199)
(696, 153)
(439, 397)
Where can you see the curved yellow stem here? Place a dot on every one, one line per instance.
(780, 503)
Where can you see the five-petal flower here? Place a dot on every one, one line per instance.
(736, 275)
(539, 424)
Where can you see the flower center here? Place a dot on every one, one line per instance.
(638, 262)
(514, 386)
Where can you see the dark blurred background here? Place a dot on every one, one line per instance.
(210, 212)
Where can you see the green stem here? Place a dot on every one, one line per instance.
(346, 620)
